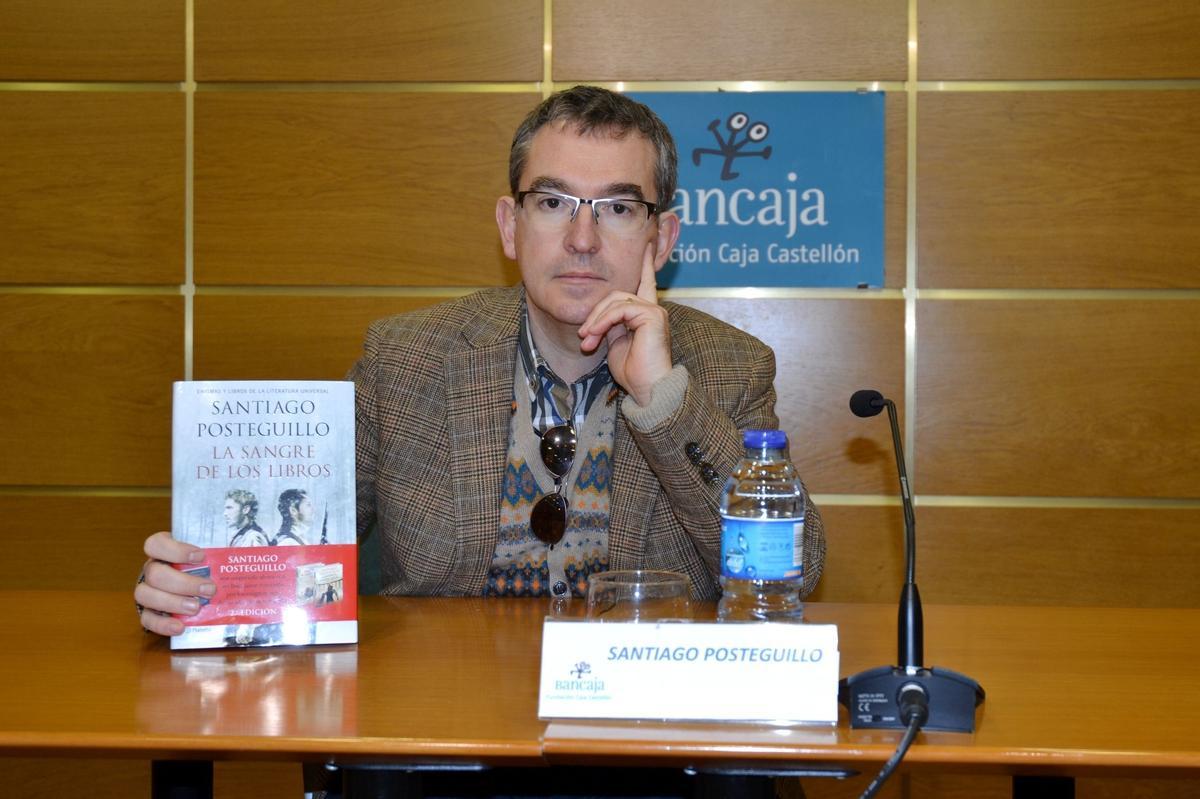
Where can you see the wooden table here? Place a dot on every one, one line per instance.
(1069, 692)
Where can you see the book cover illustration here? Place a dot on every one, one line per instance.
(263, 479)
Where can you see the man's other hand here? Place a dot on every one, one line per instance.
(163, 591)
(637, 331)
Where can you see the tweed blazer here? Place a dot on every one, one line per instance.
(433, 391)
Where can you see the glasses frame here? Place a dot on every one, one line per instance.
(548, 520)
(577, 202)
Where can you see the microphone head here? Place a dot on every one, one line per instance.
(867, 402)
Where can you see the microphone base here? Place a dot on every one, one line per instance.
(872, 698)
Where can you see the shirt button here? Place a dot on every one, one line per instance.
(559, 588)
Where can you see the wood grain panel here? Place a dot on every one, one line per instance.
(1015, 556)
(895, 191)
(825, 350)
(864, 553)
(595, 40)
(352, 188)
(96, 778)
(368, 40)
(1135, 788)
(114, 40)
(1058, 189)
(85, 388)
(1059, 556)
(962, 786)
(91, 187)
(42, 778)
(808, 788)
(257, 780)
(1058, 398)
(1060, 40)
(250, 337)
(104, 535)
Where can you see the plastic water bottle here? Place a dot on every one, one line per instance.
(762, 534)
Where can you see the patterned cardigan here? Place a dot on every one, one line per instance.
(433, 392)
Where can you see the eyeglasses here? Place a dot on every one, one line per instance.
(549, 518)
(551, 210)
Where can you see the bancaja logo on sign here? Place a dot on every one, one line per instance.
(776, 189)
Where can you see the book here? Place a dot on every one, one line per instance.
(263, 480)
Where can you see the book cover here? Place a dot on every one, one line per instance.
(263, 479)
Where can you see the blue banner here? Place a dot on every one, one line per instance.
(776, 189)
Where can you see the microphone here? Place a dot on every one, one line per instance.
(910, 628)
(867, 402)
(873, 698)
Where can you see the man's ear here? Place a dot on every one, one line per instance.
(506, 221)
(668, 234)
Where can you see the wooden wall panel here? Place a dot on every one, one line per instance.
(964, 786)
(960, 786)
(864, 553)
(103, 534)
(809, 788)
(595, 40)
(113, 40)
(85, 388)
(1058, 398)
(41, 778)
(352, 188)
(895, 191)
(1058, 189)
(236, 780)
(1135, 788)
(97, 778)
(368, 40)
(825, 350)
(91, 187)
(1127, 557)
(1060, 40)
(1104, 557)
(257, 337)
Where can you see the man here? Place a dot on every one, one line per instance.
(296, 512)
(241, 510)
(517, 440)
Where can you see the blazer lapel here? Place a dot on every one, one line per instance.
(479, 383)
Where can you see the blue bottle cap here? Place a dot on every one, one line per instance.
(771, 439)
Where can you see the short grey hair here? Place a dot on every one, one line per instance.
(590, 109)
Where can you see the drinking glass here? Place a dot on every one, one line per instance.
(638, 595)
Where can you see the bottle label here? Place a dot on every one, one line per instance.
(762, 549)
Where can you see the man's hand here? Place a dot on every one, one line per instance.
(164, 590)
(635, 327)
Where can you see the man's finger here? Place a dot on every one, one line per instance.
(614, 333)
(616, 310)
(166, 578)
(158, 623)
(152, 599)
(165, 547)
(648, 287)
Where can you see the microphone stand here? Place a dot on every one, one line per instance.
(886, 697)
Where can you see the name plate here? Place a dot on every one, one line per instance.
(689, 672)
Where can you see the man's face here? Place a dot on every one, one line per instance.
(304, 511)
(566, 272)
(233, 513)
